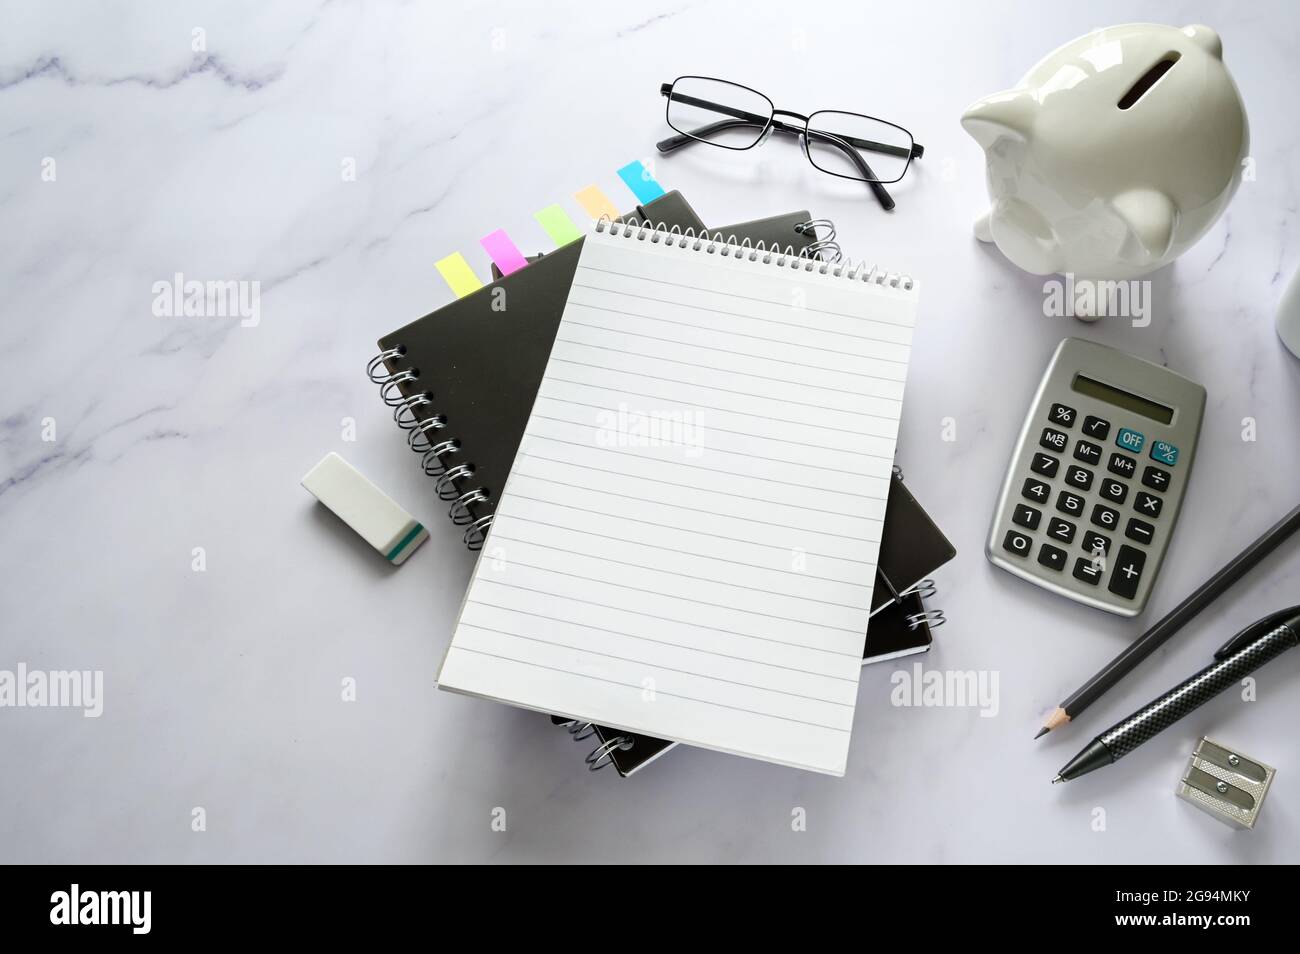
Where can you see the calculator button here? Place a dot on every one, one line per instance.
(1139, 530)
(1062, 530)
(1088, 453)
(1147, 504)
(1053, 439)
(1061, 415)
(1106, 517)
(1163, 452)
(1035, 490)
(1069, 503)
(1051, 557)
(1130, 439)
(1155, 478)
(1080, 477)
(1016, 543)
(1098, 428)
(1113, 491)
(1026, 516)
(1127, 572)
(1089, 570)
(1046, 464)
(1095, 543)
(1122, 464)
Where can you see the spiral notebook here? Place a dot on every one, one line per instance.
(700, 588)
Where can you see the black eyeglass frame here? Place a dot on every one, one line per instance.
(847, 144)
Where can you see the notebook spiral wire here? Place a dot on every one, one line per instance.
(413, 412)
(933, 618)
(603, 754)
(783, 256)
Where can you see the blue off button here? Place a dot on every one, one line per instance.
(1164, 453)
(1132, 440)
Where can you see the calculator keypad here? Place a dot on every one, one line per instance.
(1107, 504)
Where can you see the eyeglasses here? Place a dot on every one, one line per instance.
(848, 145)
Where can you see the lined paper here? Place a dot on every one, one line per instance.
(686, 545)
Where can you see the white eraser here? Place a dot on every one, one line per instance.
(365, 508)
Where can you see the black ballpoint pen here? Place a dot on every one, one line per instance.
(1243, 654)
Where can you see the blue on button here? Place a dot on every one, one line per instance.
(1164, 452)
(1130, 440)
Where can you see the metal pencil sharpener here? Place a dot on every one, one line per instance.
(1226, 784)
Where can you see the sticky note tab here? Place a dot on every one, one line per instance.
(640, 181)
(458, 274)
(558, 225)
(503, 251)
(596, 203)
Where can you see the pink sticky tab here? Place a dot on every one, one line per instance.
(503, 251)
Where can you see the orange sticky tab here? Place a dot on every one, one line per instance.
(596, 203)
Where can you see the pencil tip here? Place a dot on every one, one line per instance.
(1057, 779)
(1042, 732)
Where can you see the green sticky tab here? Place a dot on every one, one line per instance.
(558, 225)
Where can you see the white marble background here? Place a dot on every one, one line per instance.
(222, 688)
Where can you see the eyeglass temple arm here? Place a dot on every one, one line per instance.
(682, 139)
(916, 152)
(881, 193)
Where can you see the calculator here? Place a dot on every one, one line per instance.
(1098, 476)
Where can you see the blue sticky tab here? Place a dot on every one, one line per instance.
(637, 178)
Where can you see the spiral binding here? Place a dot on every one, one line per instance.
(742, 248)
(933, 618)
(603, 754)
(922, 588)
(414, 410)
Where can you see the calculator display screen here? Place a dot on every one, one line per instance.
(1129, 402)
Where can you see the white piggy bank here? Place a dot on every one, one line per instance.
(1114, 154)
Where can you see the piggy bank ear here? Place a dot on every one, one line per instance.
(1150, 217)
(1002, 114)
(1206, 39)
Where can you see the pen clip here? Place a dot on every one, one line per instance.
(1257, 629)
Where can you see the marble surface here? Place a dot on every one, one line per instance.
(224, 689)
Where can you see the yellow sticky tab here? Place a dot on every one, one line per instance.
(457, 273)
(558, 225)
(596, 203)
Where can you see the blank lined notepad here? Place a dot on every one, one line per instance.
(686, 545)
